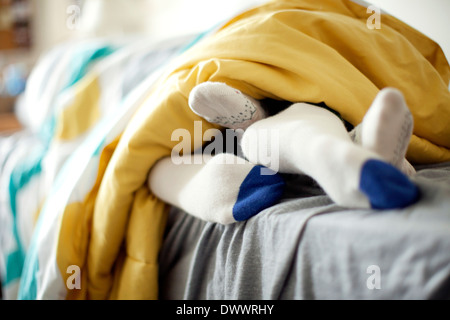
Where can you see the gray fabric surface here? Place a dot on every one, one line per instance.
(306, 247)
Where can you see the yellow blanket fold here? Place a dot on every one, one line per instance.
(313, 51)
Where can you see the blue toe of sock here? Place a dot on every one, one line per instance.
(386, 186)
(257, 192)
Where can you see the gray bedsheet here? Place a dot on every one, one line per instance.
(306, 247)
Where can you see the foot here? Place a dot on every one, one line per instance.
(313, 141)
(386, 129)
(223, 189)
(387, 126)
(223, 105)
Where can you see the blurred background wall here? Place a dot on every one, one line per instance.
(169, 17)
(53, 21)
(56, 20)
(431, 17)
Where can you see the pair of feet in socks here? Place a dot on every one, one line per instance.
(364, 169)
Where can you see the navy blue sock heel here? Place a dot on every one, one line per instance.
(256, 193)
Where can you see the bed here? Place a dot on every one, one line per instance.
(79, 222)
(327, 252)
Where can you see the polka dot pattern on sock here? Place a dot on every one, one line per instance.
(246, 114)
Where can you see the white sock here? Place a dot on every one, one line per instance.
(386, 129)
(221, 104)
(315, 142)
(221, 189)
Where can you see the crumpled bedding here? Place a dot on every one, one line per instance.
(307, 247)
(97, 213)
(79, 98)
